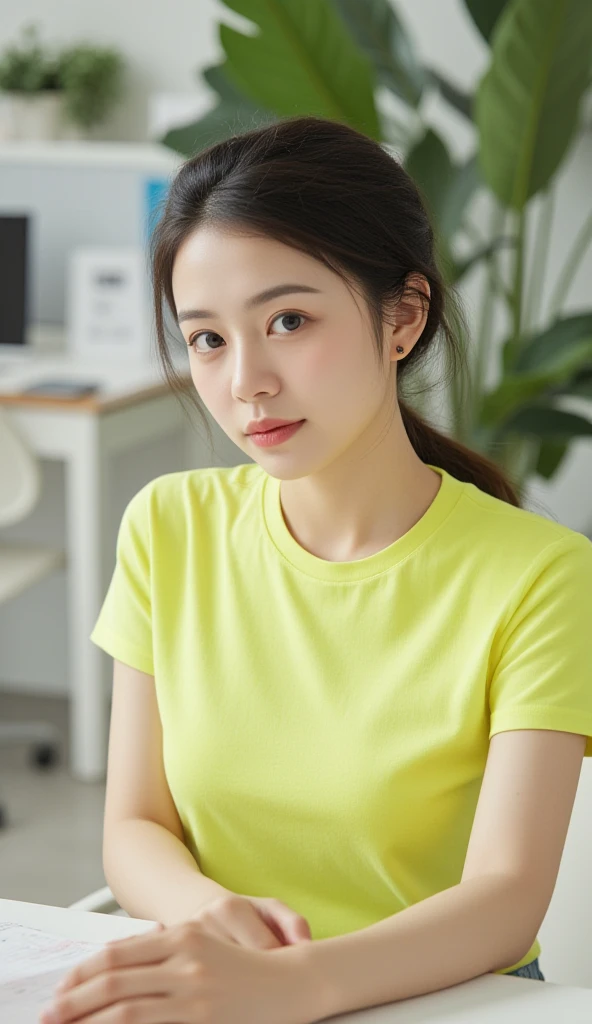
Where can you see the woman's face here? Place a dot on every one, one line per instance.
(305, 355)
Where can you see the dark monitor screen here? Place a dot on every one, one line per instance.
(13, 279)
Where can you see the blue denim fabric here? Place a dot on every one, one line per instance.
(531, 970)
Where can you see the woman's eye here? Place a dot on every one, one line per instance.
(192, 343)
(290, 316)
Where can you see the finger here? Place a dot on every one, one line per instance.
(136, 949)
(109, 990)
(274, 925)
(294, 927)
(148, 1011)
(246, 922)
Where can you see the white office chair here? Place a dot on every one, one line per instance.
(102, 901)
(22, 565)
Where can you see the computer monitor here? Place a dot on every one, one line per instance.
(77, 193)
(14, 266)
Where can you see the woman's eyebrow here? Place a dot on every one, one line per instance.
(255, 300)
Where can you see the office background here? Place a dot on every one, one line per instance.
(164, 47)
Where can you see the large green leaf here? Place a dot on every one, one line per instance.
(459, 267)
(550, 457)
(233, 113)
(546, 422)
(527, 104)
(485, 14)
(466, 179)
(580, 384)
(380, 33)
(446, 187)
(516, 388)
(301, 61)
(220, 123)
(459, 100)
(430, 165)
(216, 75)
(547, 349)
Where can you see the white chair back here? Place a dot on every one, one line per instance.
(20, 477)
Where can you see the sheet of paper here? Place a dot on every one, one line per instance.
(32, 962)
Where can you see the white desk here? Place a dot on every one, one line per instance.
(133, 407)
(490, 999)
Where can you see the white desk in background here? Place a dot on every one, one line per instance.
(133, 407)
(489, 999)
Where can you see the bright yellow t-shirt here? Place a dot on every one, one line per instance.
(326, 724)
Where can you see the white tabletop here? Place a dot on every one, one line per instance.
(490, 999)
(19, 370)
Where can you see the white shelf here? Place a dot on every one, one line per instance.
(152, 155)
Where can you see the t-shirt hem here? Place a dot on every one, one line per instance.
(529, 958)
(121, 649)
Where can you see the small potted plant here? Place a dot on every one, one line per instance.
(54, 97)
(91, 79)
(30, 90)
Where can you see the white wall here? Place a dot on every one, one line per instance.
(164, 44)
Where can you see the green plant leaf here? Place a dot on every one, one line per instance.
(510, 352)
(430, 165)
(379, 32)
(527, 104)
(445, 187)
(216, 75)
(580, 385)
(441, 185)
(515, 388)
(223, 121)
(302, 61)
(459, 100)
(551, 454)
(485, 14)
(465, 181)
(232, 114)
(460, 267)
(544, 421)
(546, 350)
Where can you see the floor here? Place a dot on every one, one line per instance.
(50, 847)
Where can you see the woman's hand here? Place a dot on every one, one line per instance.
(257, 922)
(182, 975)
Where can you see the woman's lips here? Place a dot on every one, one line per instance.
(268, 438)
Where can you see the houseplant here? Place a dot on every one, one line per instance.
(92, 80)
(49, 96)
(29, 90)
(526, 115)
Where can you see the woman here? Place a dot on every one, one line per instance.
(349, 672)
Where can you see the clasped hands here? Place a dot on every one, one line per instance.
(214, 968)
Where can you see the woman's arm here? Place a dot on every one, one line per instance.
(449, 938)
(147, 865)
(491, 918)
(153, 875)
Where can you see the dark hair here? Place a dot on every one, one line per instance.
(326, 189)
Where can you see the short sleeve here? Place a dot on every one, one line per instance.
(124, 626)
(542, 677)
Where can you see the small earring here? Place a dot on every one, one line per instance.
(400, 348)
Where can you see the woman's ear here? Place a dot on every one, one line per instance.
(411, 313)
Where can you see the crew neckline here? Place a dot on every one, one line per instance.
(445, 500)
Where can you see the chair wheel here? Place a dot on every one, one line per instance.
(45, 755)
